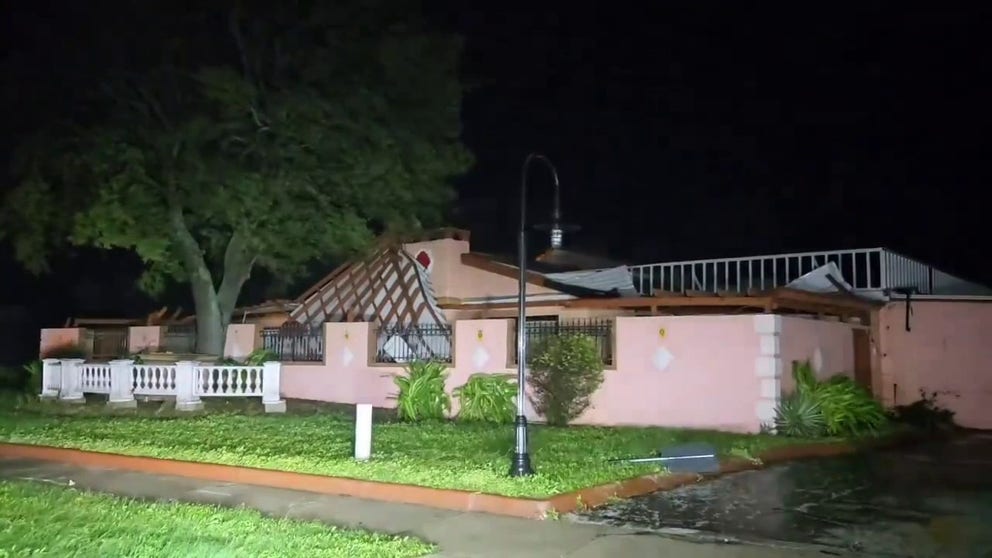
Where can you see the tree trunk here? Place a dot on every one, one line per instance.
(210, 328)
(213, 306)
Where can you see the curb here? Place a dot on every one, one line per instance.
(456, 500)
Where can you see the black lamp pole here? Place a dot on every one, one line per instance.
(521, 456)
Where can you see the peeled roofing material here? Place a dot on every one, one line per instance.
(605, 280)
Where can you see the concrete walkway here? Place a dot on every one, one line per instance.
(457, 534)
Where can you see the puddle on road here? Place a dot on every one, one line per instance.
(924, 502)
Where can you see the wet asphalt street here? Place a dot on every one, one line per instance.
(931, 500)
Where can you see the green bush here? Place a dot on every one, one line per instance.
(260, 356)
(487, 398)
(26, 378)
(422, 395)
(566, 371)
(33, 372)
(845, 408)
(848, 409)
(11, 378)
(800, 416)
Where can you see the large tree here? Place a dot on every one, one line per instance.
(282, 140)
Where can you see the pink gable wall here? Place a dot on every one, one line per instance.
(453, 279)
(947, 349)
(829, 346)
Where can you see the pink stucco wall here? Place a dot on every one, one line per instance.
(709, 380)
(241, 340)
(346, 376)
(52, 338)
(141, 338)
(948, 349)
(453, 279)
(827, 345)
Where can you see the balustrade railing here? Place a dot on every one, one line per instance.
(864, 269)
(122, 380)
(229, 381)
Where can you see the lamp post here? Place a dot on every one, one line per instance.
(521, 465)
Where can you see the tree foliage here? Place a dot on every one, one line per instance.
(268, 136)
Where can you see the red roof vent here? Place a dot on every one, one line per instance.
(424, 259)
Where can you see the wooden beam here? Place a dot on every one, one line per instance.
(698, 294)
(675, 301)
(326, 279)
(502, 305)
(839, 300)
(484, 263)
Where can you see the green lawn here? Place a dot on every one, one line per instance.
(39, 520)
(317, 440)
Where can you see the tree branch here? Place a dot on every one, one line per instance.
(238, 262)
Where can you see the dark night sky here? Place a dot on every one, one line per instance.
(693, 131)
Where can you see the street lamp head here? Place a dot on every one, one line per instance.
(557, 230)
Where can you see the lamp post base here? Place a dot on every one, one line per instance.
(520, 466)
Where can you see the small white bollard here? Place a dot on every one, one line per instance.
(363, 431)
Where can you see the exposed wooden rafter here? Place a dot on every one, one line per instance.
(390, 287)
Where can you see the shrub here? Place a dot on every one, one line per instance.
(11, 378)
(487, 398)
(26, 378)
(422, 395)
(848, 409)
(566, 371)
(836, 407)
(800, 415)
(33, 372)
(260, 356)
(925, 413)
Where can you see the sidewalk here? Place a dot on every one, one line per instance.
(457, 534)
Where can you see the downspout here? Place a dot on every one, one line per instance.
(908, 293)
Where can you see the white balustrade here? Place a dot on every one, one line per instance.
(229, 381)
(187, 381)
(864, 269)
(121, 394)
(154, 379)
(272, 372)
(71, 389)
(51, 378)
(187, 397)
(94, 377)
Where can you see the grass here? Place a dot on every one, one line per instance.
(318, 439)
(38, 520)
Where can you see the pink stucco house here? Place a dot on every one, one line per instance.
(705, 344)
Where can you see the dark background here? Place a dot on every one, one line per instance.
(679, 132)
